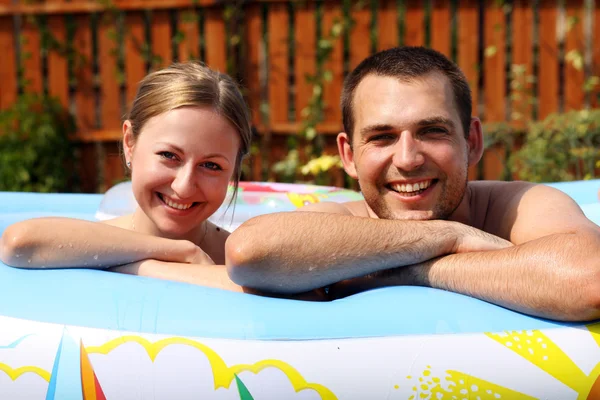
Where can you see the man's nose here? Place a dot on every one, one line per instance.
(408, 154)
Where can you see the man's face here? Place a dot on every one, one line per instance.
(409, 152)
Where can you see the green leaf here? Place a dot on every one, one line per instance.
(242, 389)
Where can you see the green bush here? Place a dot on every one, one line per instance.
(562, 147)
(36, 154)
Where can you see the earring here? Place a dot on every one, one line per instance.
(128, 163)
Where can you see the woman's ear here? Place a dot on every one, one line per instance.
(128, 141)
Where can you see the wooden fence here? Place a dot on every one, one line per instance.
(270, 46)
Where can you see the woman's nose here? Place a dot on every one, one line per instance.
(184, 185)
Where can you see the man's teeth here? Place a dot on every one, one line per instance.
(178, 206)
(410, 188)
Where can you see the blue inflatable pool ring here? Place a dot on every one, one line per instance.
(89, 334)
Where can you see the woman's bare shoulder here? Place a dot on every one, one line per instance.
(214, 242)
(125, 222)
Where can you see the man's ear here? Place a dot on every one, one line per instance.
(475, 141)
(128, 141)
(346, 154)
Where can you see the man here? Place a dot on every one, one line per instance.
(409, 139)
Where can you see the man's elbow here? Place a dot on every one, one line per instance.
(243, 258)
(15, 247)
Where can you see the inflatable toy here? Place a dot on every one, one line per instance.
(253, 199)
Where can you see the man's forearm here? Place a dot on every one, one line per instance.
(266, 252)
(555, 277)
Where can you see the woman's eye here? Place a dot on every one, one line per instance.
(168, 155)
(212, 166)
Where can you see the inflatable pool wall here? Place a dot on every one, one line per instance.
(87, 334)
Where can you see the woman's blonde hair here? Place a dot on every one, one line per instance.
(193, 84)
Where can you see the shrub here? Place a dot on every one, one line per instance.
(35, 152)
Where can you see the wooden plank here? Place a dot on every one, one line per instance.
(114, 169)
(216, 41)
(522, 56)
(468, 42)
(548, 77)
(8, 66)
(281, 129)
(84, 76)
(160, 31)
(335, 64)
(360, 36)
(574, 68)
(90, 6)
(494, 62)
(441, 26)
(468, 60)
(595, 98)
(58, 71)
(189, 47)
(387, 25)
(414, 34)
(494, 88)
(110, 103)
(255, 54)
(85, 102)
(305, 57)
(135, 67)
(31, 56)
(277, 31)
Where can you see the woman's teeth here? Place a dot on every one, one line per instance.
(173, 204)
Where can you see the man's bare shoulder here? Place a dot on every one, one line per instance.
(521, 211)
(355, 208)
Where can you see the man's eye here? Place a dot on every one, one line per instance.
(435, 129)
(167, 155)
(381, 137)
(212, 166)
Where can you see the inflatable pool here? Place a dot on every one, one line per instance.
(87, 334)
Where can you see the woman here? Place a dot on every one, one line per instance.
(184, 140)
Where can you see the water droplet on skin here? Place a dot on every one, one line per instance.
(29, 261)
(70, 244)
(18, 255)
(60, 246)
(96, 257)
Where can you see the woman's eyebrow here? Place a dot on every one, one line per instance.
(172, 146)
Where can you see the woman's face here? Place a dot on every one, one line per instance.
(181, 164)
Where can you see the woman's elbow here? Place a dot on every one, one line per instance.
(15, 247)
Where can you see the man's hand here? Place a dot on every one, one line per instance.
(470, 239)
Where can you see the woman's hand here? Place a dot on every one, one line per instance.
(198, 256)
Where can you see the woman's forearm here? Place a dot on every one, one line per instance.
(66, 242)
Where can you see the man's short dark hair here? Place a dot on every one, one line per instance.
(407, 64)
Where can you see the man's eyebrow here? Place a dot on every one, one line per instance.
(376, 128)
(436, 121)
